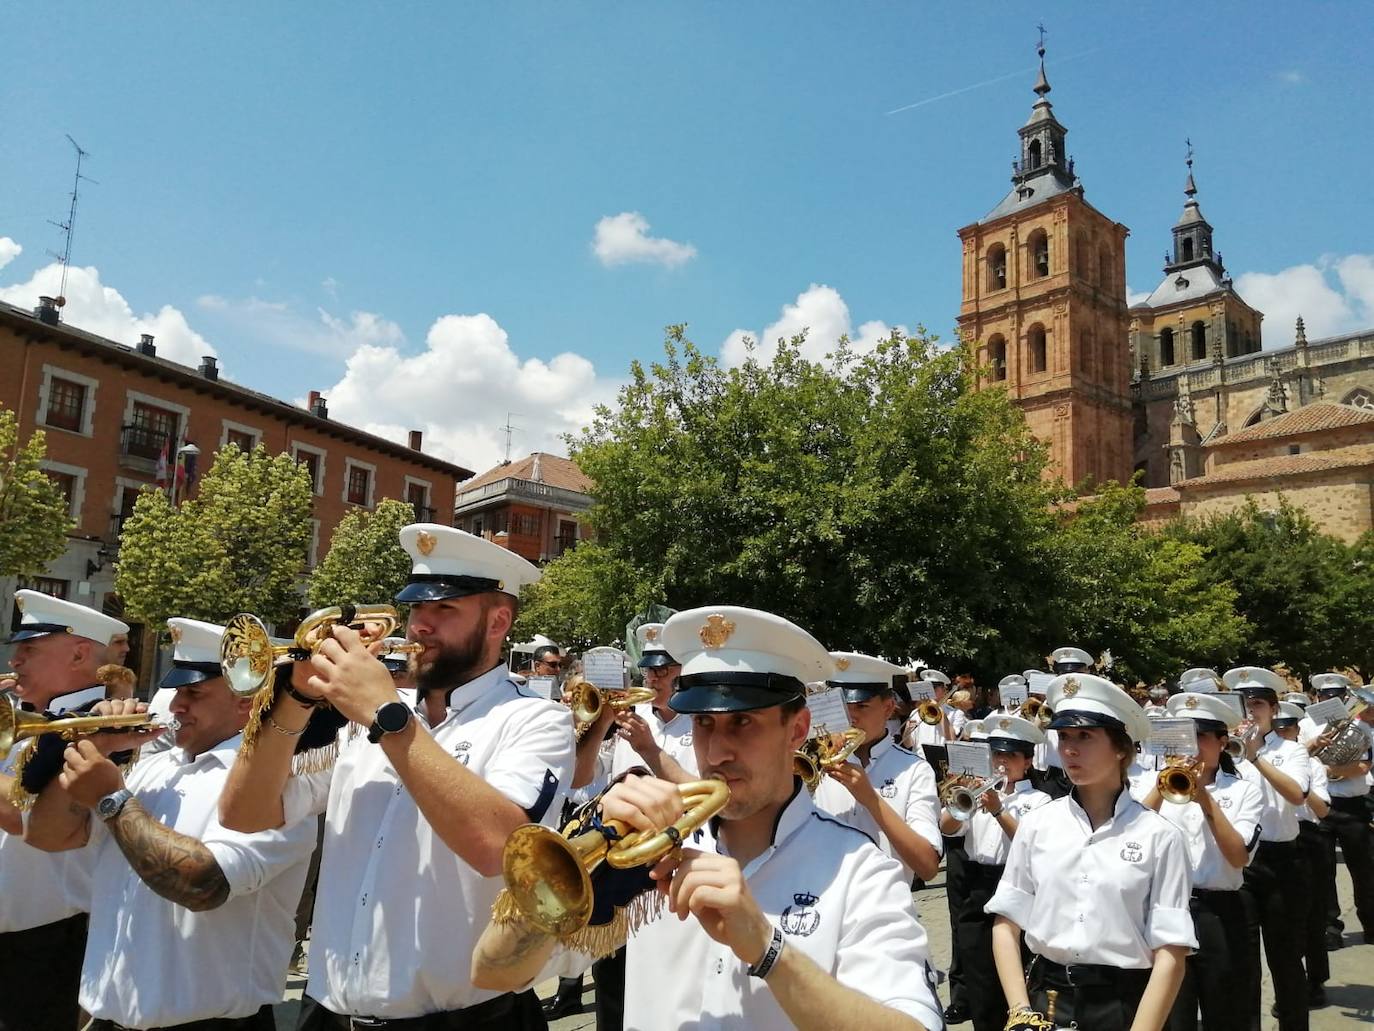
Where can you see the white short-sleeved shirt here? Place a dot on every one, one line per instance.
(1243, 805)
(1321, 788)
(674, 736)
(985, 841)
(1280, 819)
(837, 898)
(153, 963)
(925, 734)
(957, 718)
(397, 912)
(1107, 896)
(904, 781)
(36, 887)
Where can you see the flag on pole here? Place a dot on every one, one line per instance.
(163, 480)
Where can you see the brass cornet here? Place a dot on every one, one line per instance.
(929, 712)
(586, 700)
(1177, 781)
(549, 875)
(963, 799)
(1037, 711)
(819, 753)
(248, 658)
(17, 725)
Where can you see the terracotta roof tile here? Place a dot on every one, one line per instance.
(1286, 465)
(1313, 418)
(1161, 496)
(553, 470)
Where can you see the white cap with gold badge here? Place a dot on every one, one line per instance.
(863, 676)
(1256, 680)
(1331, 683)
(652, 654)
(1205, 709)
(1012, 734)
(1070, 660)
(449, 563)
(736, 659)
(1199, 680)
(43, 614)
(1085, 700)
(195, 652)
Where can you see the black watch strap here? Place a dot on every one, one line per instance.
(304, 699)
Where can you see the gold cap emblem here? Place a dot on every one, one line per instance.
(651, 634)
(841, 664)
(715, 631)
(20, 603)
(425, 541)
(175, 633)
(1190, 703)
(1071, 689)
(1004, 724)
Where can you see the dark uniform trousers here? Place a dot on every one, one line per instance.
(262, 1020)
(1348, 824)
(973, 931)
(42, 975)
(514, 1011)
(1276, 903)
(608, 973)
(1095, 998)
(956, 891)
(1217, 968)
(1318, 857)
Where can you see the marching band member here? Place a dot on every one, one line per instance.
(1275, 882)
(192, 923)
(1220, 826)
(918, 732)
(1097, 883)
(794, 919)
(654, 734)
(885, 790)
(419, 806)
(1319, 859)
(43, 899)
(988, 836)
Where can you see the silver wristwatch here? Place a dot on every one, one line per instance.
(109, 806)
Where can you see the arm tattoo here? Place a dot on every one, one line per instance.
(175, 866)
(516, 942)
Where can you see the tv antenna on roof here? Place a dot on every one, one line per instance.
(508, 429)
(68, 227)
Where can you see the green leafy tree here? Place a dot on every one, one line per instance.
(239, 545)
(34, 522)
(584, 599)
(1149, 598)
(365, 563)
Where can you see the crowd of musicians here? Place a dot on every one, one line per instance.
(152, 864)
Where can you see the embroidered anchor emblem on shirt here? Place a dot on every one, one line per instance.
(1132, 853)
(801, 918)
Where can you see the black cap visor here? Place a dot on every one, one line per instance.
(1011, 745)
(31, 631)
(183, 673)
(734, 692)
(1070, 667)
(1267, 693)
(862, 692)
(656, 660)
(1082, 718)
(1210, 727)
(439, 587)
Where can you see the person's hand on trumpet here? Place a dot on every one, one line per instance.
(347, 674)
(107, 742)
(855, 779)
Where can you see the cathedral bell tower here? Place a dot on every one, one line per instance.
(1044, 306)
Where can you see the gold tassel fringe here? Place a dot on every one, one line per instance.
(19, 798)
(598, 941)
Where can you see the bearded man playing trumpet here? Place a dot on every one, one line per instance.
(792, 919)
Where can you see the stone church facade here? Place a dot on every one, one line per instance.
(1177, 389)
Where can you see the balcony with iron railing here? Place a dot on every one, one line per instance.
(140, 447)
(423, 513)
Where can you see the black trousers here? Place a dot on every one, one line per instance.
(42, 975)
(1217, 968)
(262, 1020)
(510, 1012)
(1276, 902)
(956, 892)
(983, 989)
(1318, 857)
(1348, 825)
(1093, 998)
(609, 975)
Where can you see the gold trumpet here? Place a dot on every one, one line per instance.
(586, 700)
(248, 658)
(1177, 781)
(963, 799)
(549, 875)
(16, 725)
(819, 753)
(929, 711)
(1037, 711)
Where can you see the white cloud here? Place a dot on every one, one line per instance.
(102, 310)
(9, 250)
(1292, 77)
(460, 389)
(624, 239)
(1334, 295)
(1133, 297)
(323, 333)
(823, 314)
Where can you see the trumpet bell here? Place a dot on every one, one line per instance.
(1177, 782)
(549, 876)
(246, 655)
(929, 712)
(1235, 748)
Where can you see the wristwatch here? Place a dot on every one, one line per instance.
(391, 718)
(109, 806)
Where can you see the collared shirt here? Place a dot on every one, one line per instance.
(397, 912)
(152, 963)
(37, 887)
(1321, 788)
(837, 898)
(925, 734)
(904, 781)
(1109, 896)
(984, 839)
(673, 735)
(957, 718)
(1243, 805)
(1280, 819)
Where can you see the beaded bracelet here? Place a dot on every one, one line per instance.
(770, 958)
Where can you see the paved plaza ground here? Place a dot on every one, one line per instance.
(1350, 990)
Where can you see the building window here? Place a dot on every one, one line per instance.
(66, 483)
(997, 267)
(1199, 339)
(1166, 347)
(1038, 247)
(525, 524)
(997, 357)
(1360, 398)
(417, 496)
(1039, 357)
(1187, 249)
(1085, 351)
(567, 537)
(358, 489)
(1033, 157)
(150, 432)
(245, 438)
(313, 460)
(1104, 269)
(49, 586)
(66, 404)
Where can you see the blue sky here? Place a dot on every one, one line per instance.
(398, 204)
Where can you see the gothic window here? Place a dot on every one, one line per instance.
(997, 357)
(1166, 347)
(1199, 340)
(1038, 248)
(997, 267)
(1230, 338)
(1187, 249)
(1035, 339)
(1033, 156)
(1360, 398)
(1104, 269)
(1256, 417)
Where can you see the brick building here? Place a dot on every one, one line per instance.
(110, 411)
(530, 506)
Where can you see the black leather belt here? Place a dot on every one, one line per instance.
(1082, 975)
(492, 1009)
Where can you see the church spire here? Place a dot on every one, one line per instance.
(1042, 142)
(1042, 85)
(1192, 232)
